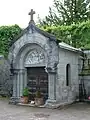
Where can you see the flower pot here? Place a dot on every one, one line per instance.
(25, 99)
(39, 101)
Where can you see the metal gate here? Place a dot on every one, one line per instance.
(37, 80)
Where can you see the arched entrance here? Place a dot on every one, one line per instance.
(30, 61)
(37, 79)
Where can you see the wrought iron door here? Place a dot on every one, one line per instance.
(37, 80)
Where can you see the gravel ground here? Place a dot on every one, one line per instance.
(78, 111)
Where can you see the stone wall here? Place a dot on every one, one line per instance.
(5, 81)
(67, 93)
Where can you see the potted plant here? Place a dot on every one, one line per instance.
(39, 99)
(25, 95)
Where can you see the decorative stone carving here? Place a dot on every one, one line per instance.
(35, 57)
(52, 69)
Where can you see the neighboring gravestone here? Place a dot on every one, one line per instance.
(5, 82)
(85, 76)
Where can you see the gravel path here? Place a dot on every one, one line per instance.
(79, 111)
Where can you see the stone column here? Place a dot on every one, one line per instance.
(15, 77)
(15, 85)
(18, 85)
(25, 78)
(14, 98)
(21, 74)
(21, 82)
(51, 87)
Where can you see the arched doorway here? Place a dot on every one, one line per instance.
(37, 79)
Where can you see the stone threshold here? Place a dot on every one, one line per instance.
(50, 106)
(30, 105)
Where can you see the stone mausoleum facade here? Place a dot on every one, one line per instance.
(40, 63)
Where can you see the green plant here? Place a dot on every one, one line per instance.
(7, 36)
(38, 94)
(25, 92)
(76, 35)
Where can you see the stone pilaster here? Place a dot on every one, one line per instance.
(15, 83)
(25, 78)
(21, 76)
(14, 98)
(19, 83)
(51, 87)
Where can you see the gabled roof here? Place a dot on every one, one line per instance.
(33, 27)
(68, 47)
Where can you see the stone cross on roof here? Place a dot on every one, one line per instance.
(31, 13)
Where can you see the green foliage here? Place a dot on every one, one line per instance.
(66, 12)
(7, 34)
(77, 35)
(25, 92)
(38, 94)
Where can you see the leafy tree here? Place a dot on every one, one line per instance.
(7, 34)
(77, 35)
(67, 12)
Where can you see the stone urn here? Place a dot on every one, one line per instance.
(24, 99)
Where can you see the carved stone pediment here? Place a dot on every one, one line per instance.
(35, 57)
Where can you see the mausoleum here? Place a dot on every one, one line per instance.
(40, 62)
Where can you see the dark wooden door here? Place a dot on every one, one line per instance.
(37, 80)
